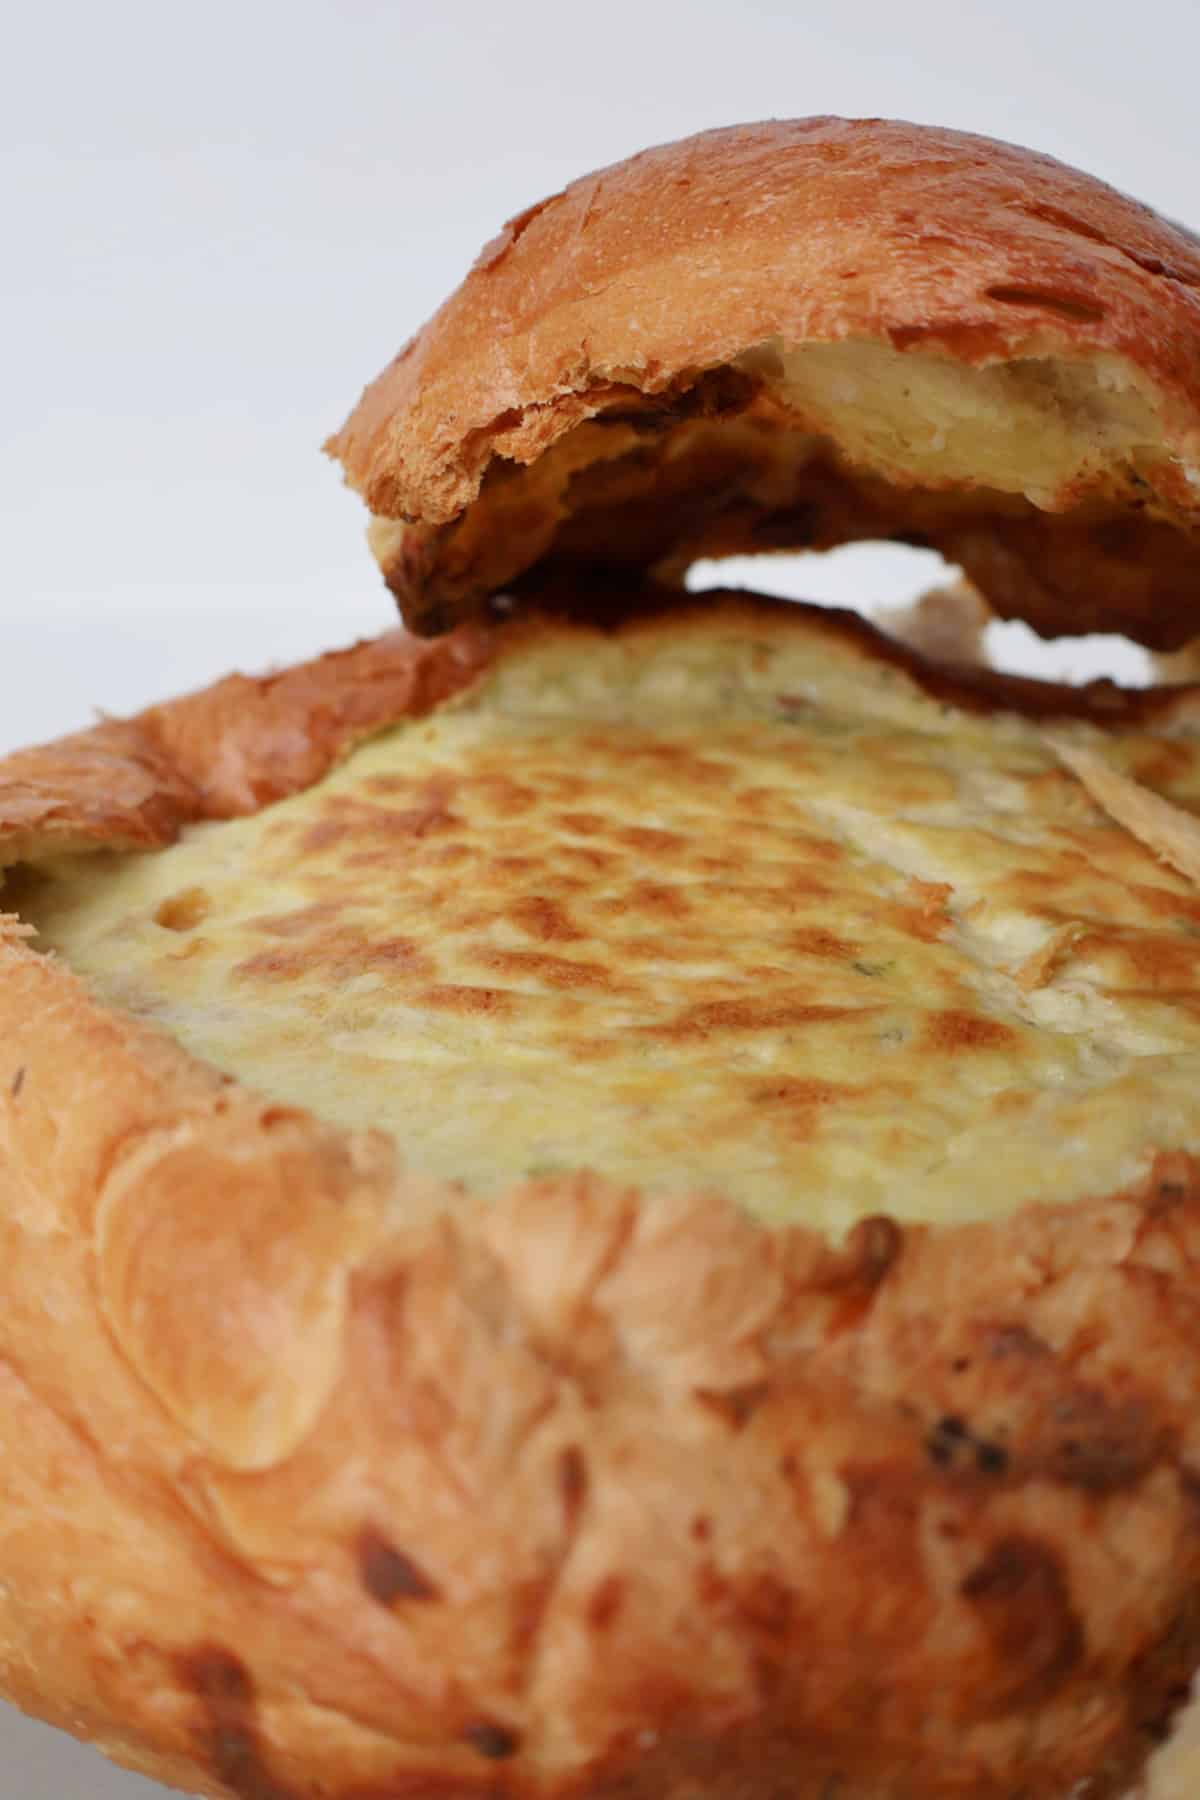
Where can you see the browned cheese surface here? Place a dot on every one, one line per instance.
(724, 905)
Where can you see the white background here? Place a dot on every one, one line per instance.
(218, 221)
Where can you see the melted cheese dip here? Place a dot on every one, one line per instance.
(716, 906)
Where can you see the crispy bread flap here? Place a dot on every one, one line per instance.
(794, 335)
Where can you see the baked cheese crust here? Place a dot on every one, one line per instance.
(734, 904)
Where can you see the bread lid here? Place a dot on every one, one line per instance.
(794, 335)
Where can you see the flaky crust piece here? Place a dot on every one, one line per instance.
(611, 384)
(319, 1481)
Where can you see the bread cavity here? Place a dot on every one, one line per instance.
(1035, 426)
(724, 904)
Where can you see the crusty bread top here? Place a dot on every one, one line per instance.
(795, 334)
(222, 753)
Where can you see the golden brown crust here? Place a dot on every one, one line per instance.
(320, 1481)
(236, 746)
(606, 384)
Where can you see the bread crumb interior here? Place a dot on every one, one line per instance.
(1030, 427)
